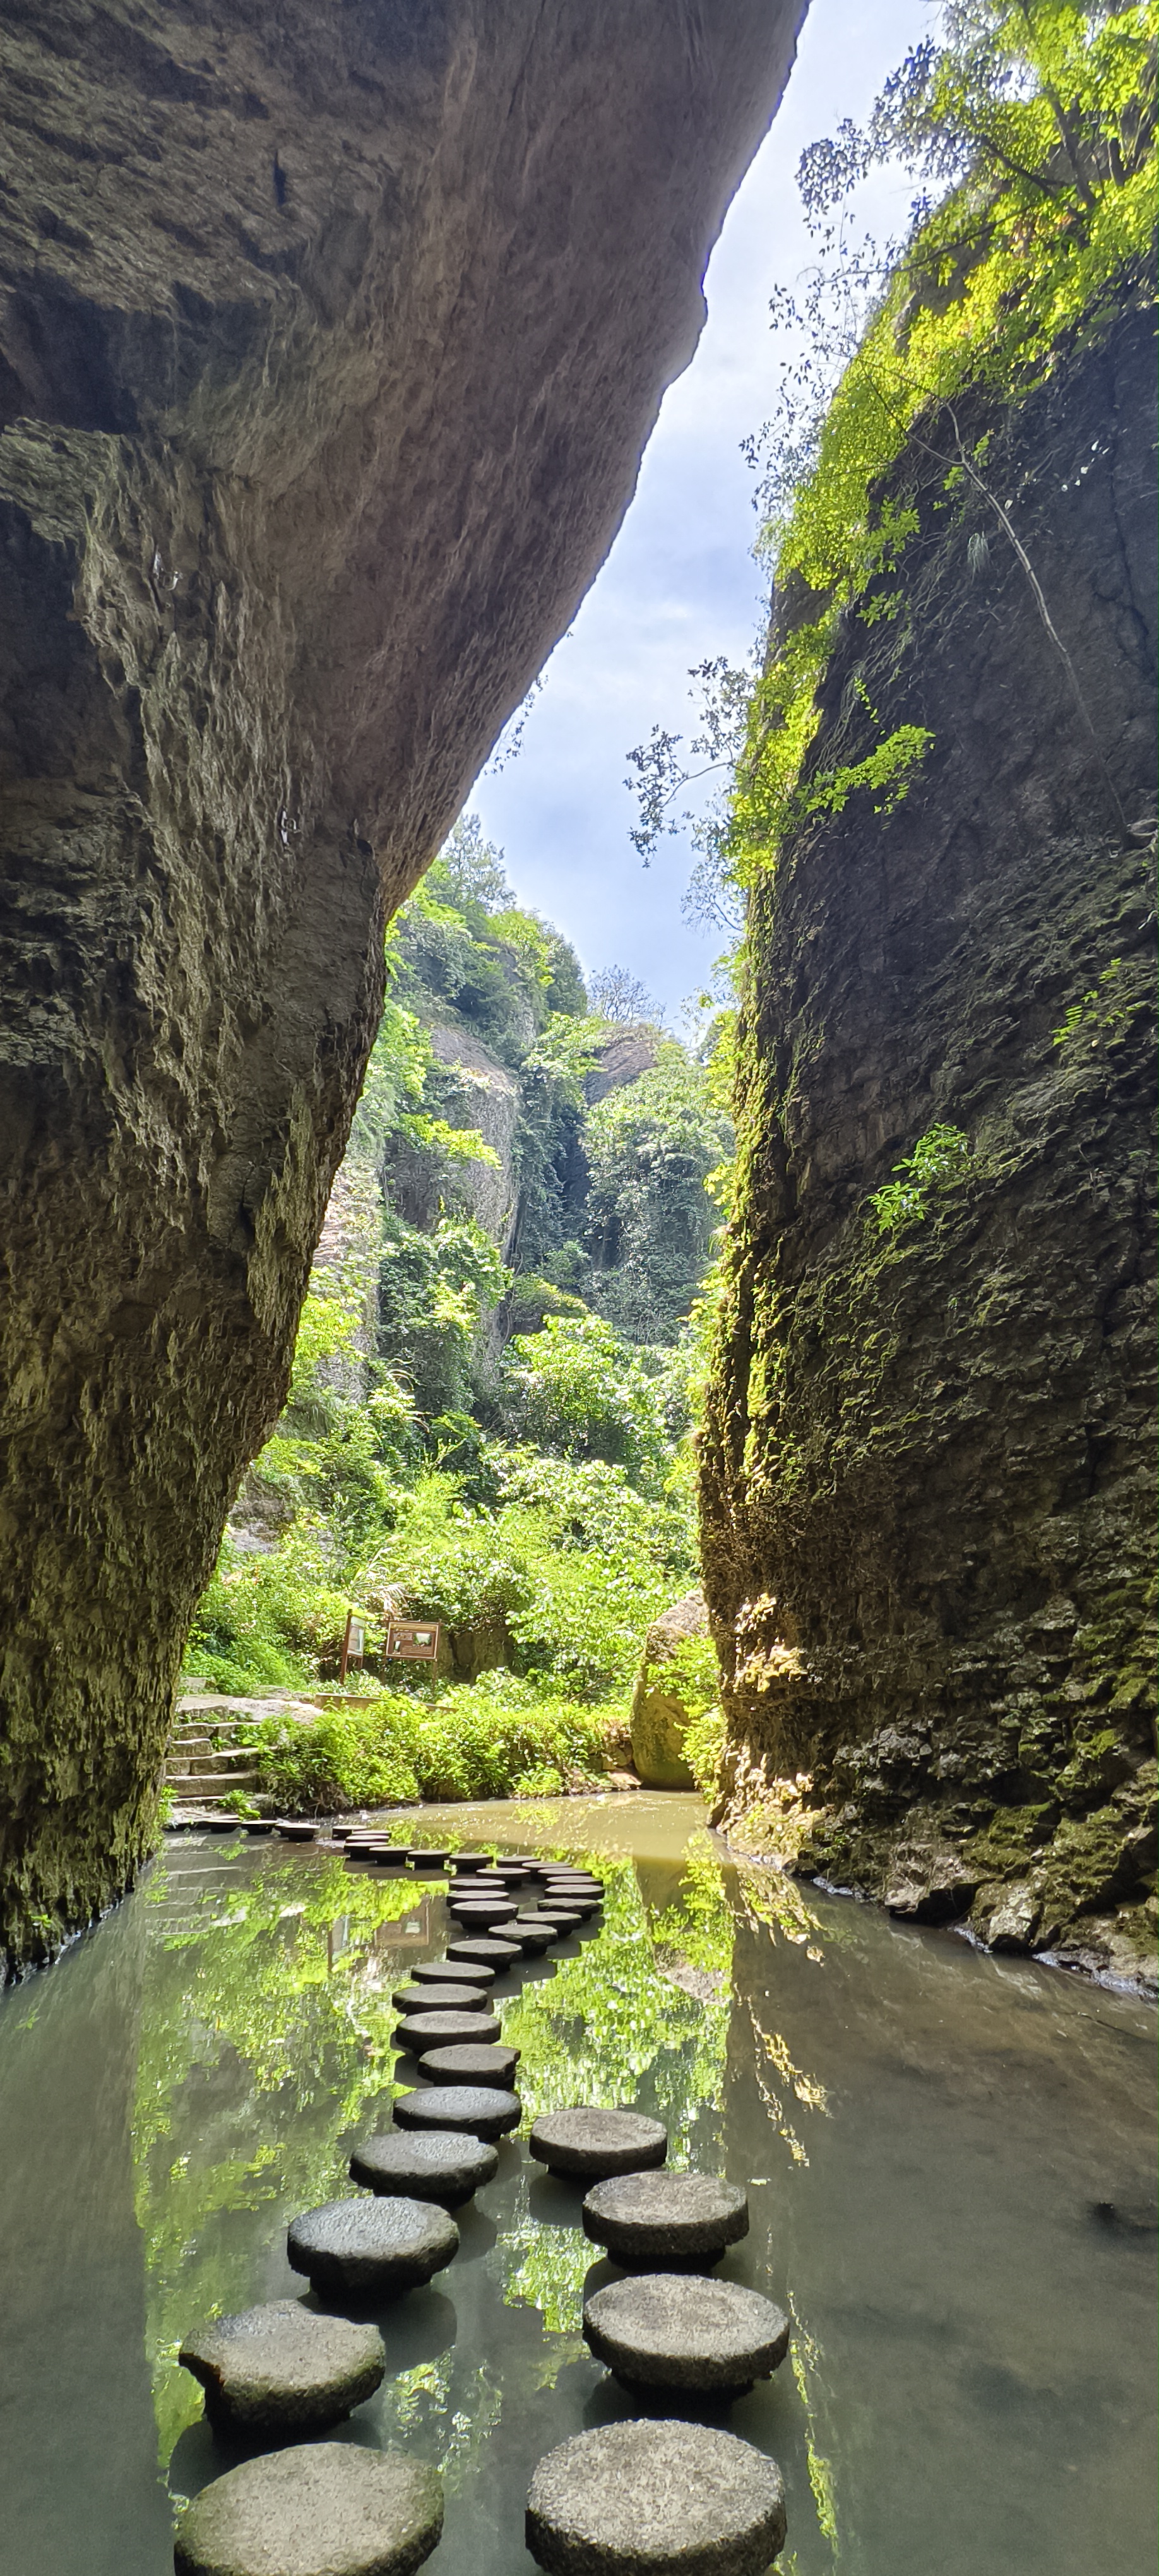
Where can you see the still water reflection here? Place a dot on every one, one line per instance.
(948, 2160)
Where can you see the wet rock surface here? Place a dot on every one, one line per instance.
(474, 2107)
(322, 2509)
(664, 2219)
(675, 2330)
(438, 2166)
(655, 2500)
(660, 1712)
(587, 2144)
(366, 2249)
(280, 2369)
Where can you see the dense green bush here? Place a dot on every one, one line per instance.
(496, 1738)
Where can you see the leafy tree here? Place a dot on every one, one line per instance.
(616, 994)
(651, 1148)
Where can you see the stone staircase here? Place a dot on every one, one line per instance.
(208, 1757)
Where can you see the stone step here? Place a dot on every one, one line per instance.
(201, 1756)
(199, 1789)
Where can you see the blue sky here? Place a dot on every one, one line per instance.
(680, 585)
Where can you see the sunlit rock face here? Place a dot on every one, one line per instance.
(330, 340)
(928, 1496)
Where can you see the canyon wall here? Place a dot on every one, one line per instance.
(329, 341)
(928, 1502)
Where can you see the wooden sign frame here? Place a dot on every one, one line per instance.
(411, 1641)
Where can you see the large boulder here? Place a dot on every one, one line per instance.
(665, 1699)
(330, 338)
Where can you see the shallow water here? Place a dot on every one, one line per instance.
(950, 2160)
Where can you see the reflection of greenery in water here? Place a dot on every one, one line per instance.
(274, 1991)
(266, 2031)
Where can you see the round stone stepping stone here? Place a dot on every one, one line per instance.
(678, 2330)
(489, 1953)
(321, 2509)
(430, 1864)
(474, 2107)
(371, 2248)
(484, 1909)
(279, 2369)
(566, 1918)
(438, 2165)
(586, 2144)
(452, 1972)
(447, 1998)
(386, 1856)
(430, 2029)
(468, 1862)
(657, 2221)
(466, 2064)
(532, 1935)
(655, 2500)
(290, 1830)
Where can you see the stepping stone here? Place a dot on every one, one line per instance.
(290, 1831)
(428, 1859)
(322, 2509)
(655, 2500)
(566, 1918)
(279, 2369)
(587, 2144)
(386, 1856)
(678, 2330)
(663, 2221)
(466, 2064)
(371, 2248)
(484, 1910)
(475, 2107)
(448, 1998)
(496, 1955)
(452, 1972)
(424, 2030)
(532, 1935)
(437, 2166)
(468, 1862)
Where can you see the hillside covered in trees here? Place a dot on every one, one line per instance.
(490, 1412)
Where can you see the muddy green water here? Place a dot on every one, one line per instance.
(950, 2160)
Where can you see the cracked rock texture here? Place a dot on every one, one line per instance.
(927, 1483)
(329, 340)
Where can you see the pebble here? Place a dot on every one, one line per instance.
(280, 2369)
(586, 2144)
(677, 2330)
(466, 2064)
(422, 2030)
(655, 2499)
(446, 1998)
(371, 2248)
(321, 2509)
(436, 2166)
(661, 2220)
(475, 2107)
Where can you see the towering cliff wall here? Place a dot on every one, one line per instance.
(927, 1496)
(331, 337)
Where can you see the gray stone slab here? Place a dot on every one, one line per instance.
(441, 2165)
(441, 1998)
(587, 2144)
(487, 1953)
(371, 2248)
(666, 2499)
(662, 2221)
(442, 1972)
(677, 2330)
(475, 2107)
(465, 2064)
(321, 2509)
(534, 1935)
(431, 2029)
(280, 2369)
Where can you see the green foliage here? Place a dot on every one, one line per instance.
(703, 1749)
(651, 1148)
(1031, 128)
(575, 1387)
(1101, 1013)
(939, 1158)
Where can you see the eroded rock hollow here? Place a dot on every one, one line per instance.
(330, 340)
(928, 1499)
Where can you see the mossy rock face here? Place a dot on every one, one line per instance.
(927, 1494)
(662, 1707)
